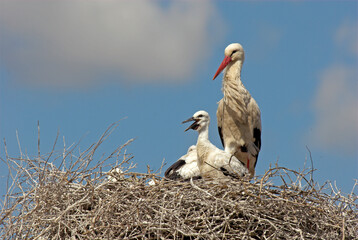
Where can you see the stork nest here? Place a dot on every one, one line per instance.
(62, 195)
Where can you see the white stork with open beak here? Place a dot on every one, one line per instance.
(238, 115)
(185, 167)
(213, 162)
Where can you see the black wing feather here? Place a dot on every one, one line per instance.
(257, 136)
(172, 171)
(221, 136)
(227, 173)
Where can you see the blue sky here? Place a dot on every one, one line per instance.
(78, 66)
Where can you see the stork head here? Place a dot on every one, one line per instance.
(234, 52)
(201, 119)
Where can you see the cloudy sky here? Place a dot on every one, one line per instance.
(78, 66)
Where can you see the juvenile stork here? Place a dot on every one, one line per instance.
(185, 167)
(213, 163)
(238, 115)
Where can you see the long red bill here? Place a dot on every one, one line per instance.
(223, 64)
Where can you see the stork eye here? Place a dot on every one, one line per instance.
(201, 115)
(233, 52)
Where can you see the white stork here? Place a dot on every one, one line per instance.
(185, 168)
(213, 162)
(238, 115)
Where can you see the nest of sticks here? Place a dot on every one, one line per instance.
(63, 195)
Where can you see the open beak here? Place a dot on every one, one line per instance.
(223, 64)
(193, 126)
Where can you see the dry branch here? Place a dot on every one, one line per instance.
(62, 195)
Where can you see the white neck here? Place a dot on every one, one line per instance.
(203, 133)
(233, 73)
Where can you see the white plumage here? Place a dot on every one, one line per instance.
(238, 115)
(213, 163)
(115, 174)
(185, 168)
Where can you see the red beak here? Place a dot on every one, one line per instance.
(224, 63)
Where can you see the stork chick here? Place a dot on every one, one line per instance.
(238, 115)
(213, 162)
(185, 168)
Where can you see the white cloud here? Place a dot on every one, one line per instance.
(346, 36)
(336, 101)
(72, 43)
(336, 110)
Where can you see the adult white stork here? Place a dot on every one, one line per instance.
(213, 162)
(185, 168)
(238, 115)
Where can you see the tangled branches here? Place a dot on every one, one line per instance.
(64, 196)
